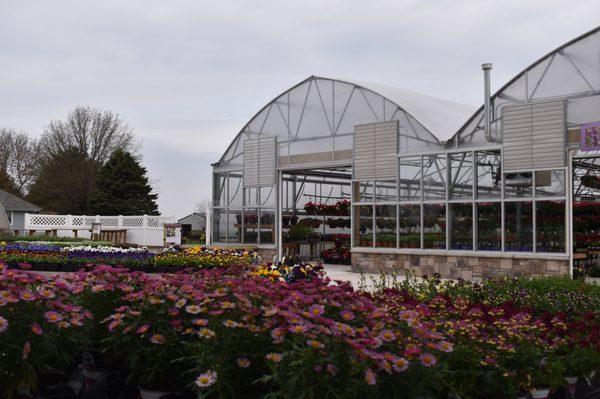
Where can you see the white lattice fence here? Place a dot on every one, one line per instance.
(142, 229)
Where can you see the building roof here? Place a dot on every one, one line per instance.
(11, 202)
(191, 216)
(440, 116)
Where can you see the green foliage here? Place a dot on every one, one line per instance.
(300, 232)
(65, 183)
(122, 188)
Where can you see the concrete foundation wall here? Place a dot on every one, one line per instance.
(471, 267)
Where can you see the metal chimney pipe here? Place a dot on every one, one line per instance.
(487, 100)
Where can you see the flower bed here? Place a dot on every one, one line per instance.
(227, 333)
(56, 258)
(206, 257)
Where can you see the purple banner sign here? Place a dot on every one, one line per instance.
(590, 136)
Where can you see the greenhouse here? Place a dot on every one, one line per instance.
(386, 178)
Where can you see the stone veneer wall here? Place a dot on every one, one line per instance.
(474, 268)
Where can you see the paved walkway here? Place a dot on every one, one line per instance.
(358, 280)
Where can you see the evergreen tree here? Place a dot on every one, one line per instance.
(122, 188)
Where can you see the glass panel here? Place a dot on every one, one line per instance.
(410, 178)
(517, 185)
(518, 224)
(461, 227)
(586, 226)
(386, 191)
(234, 232)
(489, 226)
(461, 180)
(385, 226)
(434, 226)
(234, 183)
(219, 189)
(550, 226)
(267, 226)
(267, 197)
(219, 225)
(434, 177)
(250, 196)
(363, 224)
(363, 191)
(550, 183)
(410, 226)
(488, 174)
(251, 226)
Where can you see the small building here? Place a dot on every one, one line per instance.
(16, 208)
(192, 222)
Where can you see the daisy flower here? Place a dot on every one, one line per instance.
(243, 362)
(400, 364)
(316, 310)
(36, 329)
(428, 360)
(206, 379)
(3, 324)
(52, 316)
(347, 315)
(143, 328)
(158, 339)
(315, 344)
(370, 377)
(193, 309)
(274, 357)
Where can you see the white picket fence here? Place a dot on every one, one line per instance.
(142, 230)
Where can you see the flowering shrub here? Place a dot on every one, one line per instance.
(230, 332)
(40, 329)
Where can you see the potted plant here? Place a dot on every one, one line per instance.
(547, 377)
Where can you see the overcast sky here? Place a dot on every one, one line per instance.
(187, 75)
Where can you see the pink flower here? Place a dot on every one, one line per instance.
(316, 310)
(428, 360)
(243, 362)
(158, 339)
(27, 295)
(53, 317)
(370, 377)
(3, 324)
(36, 329)
(143, 328)
(347, 315)
(445, 346)
(26, 350)
(400, 364)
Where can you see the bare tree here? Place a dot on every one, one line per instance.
(93, 132)
(72, 151)
(19, 159)
(203, 206)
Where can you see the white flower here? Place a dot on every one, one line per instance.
(207, 379)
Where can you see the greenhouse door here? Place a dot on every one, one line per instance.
(315, 214)
(586, 215)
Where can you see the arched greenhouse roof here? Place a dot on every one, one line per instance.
(324, 111)
(440, 116)
(571, 69)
